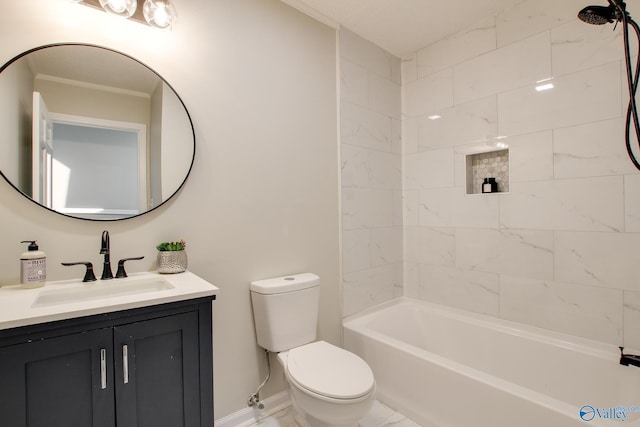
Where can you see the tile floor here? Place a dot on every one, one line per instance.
(380, 415)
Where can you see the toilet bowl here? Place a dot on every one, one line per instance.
(329, 386)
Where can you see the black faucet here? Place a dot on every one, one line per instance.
(629, 359)
(106, 268)
(104, 249)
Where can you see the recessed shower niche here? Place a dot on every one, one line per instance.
(487, 172)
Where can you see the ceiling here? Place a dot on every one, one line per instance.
(402, 27)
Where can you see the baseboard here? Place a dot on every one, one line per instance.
(248, 416)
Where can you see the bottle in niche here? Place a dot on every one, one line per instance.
(489, 185)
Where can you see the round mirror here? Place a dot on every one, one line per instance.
(92, 133)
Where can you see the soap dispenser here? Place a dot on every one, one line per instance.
(33, 266)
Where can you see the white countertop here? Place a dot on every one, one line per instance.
(18, 306)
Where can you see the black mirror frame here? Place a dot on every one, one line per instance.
(193, 133)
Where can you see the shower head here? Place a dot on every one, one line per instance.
(600, 15)
(597, 15)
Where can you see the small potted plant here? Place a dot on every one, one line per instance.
(172, 257)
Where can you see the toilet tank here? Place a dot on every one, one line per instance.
(285, 310)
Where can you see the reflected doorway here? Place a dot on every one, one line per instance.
(97, 170)
(88, 167)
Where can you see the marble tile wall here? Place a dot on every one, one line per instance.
(561, 250)
(371, 167)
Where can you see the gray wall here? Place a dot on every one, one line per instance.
(16, 105)
(259, 80)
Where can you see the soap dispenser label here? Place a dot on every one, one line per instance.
(33, 270)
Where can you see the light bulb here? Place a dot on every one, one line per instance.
(124, 8)
(159, 13)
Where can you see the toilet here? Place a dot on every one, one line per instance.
(329, 386)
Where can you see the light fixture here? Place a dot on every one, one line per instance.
(124, 8)
(159, 14)
(434, 117)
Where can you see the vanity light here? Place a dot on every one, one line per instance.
(159, 13)
(124, 8)
(434, 117)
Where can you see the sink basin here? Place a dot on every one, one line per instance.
(99, 290)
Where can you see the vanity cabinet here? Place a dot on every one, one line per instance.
(144, 367)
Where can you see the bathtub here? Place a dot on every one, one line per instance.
(444, 367)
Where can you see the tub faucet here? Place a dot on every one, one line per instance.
(105, 250)
(629, 359)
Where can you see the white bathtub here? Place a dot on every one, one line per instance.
(449, 368)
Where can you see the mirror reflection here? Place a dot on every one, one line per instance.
(92, 133)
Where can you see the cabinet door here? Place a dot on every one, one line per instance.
(62, 381)
(157, 372)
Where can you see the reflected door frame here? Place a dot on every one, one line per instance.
(41, 152)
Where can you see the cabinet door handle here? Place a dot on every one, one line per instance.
(125, 364)
(103, 369)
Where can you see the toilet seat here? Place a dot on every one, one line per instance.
(326, 370)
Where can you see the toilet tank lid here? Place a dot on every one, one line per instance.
(284, 284)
